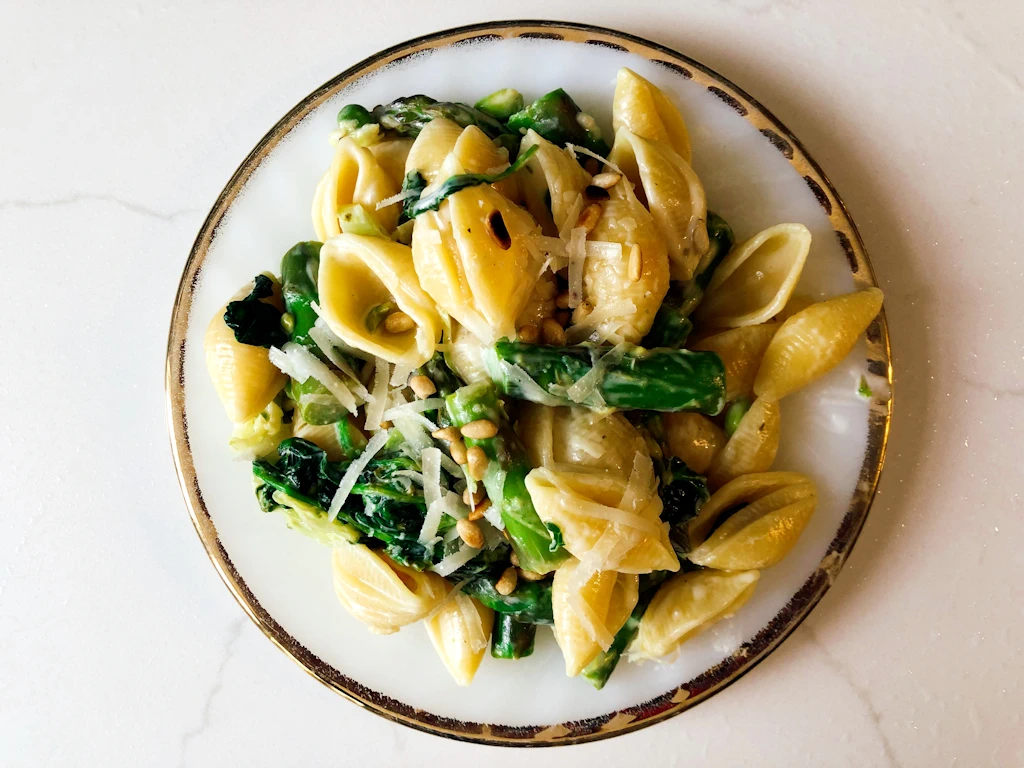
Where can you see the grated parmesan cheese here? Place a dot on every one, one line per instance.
(577, 333)
(591, 380)
(387, 202)
(348, 480)
(577, 252)
(451, 563)
(301, 364)
(574, 148)
(378, 398)
(430, 461)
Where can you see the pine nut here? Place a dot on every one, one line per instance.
(562, 300)
(458, 451)
(529, 334)
(507, 583)
(636, 263)
(398, 322)
(530, 575)
(481, 429)
(474, 498)
(446, 433)
(478, 511)
(606, 180)
(422, 386)
(562, 317)
(470, 533)
(552, 332)
(514, 559)
(580, 313)
(589, 217)
(477, 461)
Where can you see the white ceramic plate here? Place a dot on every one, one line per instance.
(755, 173)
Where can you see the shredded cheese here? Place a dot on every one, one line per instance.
(574, 148)
(400, 377)
(577, 333)
(378, 398)
(571, 216)
(301, 364)
(348, 480)
(589, 382)
(430, 461)
(320, 336)
(451, 563)
(387, 202)
(577, 251)
(336, 340)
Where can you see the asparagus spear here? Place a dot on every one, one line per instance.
(672, 324)
(652, 380)
(501, 105)
(505, 476)
(511, 639)
(557, 118)
(529, 602)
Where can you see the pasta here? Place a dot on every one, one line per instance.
(364, 283)
(756, 279)
(813, 341)
(483, 390)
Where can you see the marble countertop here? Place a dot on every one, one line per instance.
(119, 644)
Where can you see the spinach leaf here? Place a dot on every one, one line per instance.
(256, 322)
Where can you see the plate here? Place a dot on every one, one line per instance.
(756, 174)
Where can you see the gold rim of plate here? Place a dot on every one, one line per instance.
(678, 697)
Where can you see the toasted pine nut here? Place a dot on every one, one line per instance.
(507, 583)
(528, 334)
(514, 559)
(580, 313)
(589, 217)
(636, 263)
(481, 429)
(552, 332)
(422, 386)
(477, 461)
(474, 498)
(563, 316)
(478, 511)
(398, 322)
(386, 424)
(446, 433)
(458, 452)
(470, 533)
(606, 180)
(530, 575)
(562, 300)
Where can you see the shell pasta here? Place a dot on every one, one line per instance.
(524, 380)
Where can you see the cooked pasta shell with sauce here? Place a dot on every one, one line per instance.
(323, 436)
(382, 594)
(478, 154)
(578, 438)
(686, 605)
(694, 438)
(588, 508)
(245, 379)
(391, 156)
(589, 612)
(752, 447)
(460, 632)
(642, 108)
(754, 282)
(355, 176)
(672, 192)
(364, 279)
(626, 306)
(741, 350)
(432, 147)
(764, 516)
(551, 183)
(814, 341)
(541, 304)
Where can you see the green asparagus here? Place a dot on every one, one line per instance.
(529, 603)
(511, 639)
(557, 118)
(737, 410)
(653, 380)
(505, 476)
(501, 105)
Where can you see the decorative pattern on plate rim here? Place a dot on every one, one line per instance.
(677, 698)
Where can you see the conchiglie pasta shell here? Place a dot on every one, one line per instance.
(674, 195)
(359, 273)
(551, 182)
(694, 438)
(391, 156)
(432, 147)
(579, 438)
(814, 341)
(606, 276)
(744, 490)
(242, 374)
(762, 533)
(686, 605)
(584, 506)
(607, 597)
(471, 277)
(381, 593)
(460, 631)
(355, 176)
(754, 282)
(465, 355)
(641, 107)
(741, 350)
(541, 303)
(324, 436)
(752, 447)
(478, 154)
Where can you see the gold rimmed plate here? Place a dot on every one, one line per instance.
(756, 174)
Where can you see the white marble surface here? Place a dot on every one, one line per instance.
(119, 645)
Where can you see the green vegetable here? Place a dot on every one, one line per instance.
(420, 203)
(377, 314)
(501, 105)
(350, 437)
(256, 322)
(683, 492)
(557, 118)
(737, 410)
(600, 669)
(556, 536)
(351, 117)
(505, 476)
(864, 390)
(529, 603)
(511, 639)
(670, 328)
(653, 380)
(407, 116)
(356, 220)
